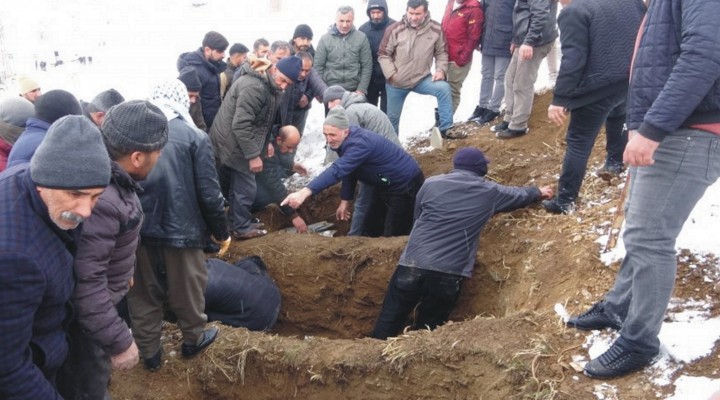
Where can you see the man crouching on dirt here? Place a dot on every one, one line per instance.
(370, 158)
(450, 211)
(42, 207)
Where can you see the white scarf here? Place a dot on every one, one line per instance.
(171, 97)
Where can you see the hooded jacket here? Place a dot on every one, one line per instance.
(209, 74)
(463, 29)
(406, 54)
(344, 60)
(375, 32)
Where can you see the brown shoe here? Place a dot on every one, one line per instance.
(251, 234)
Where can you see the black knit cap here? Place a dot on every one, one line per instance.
(215, 41)
(190, 78)
(303, 30)
(135, 125)
(290, 67)
(238, 48)
(56, 104)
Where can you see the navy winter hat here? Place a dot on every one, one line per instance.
(190, 78)
(56, 104)
(215, 41)
(290, 67)
(471, 159)
(71, 156)
(303, 30)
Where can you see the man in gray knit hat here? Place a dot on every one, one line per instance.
(134, 133)
(42, 205)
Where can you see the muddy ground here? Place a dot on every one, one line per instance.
(504, 340)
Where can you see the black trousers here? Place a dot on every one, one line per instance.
(376, 90)
(85, 375)
(391, 212)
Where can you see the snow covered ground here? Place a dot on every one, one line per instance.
(135, 43)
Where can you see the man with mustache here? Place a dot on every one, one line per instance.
(42, 206)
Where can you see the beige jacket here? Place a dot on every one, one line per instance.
(406, 54)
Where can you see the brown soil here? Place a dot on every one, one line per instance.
(504, 340)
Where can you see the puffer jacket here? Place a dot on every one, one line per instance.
(209, 74)
(497, 34)
(406, 54)
(28, 141)
(463, 29)
(105, 262)
(246, 118)
(534, 22)
(375, 32)
(675, 79)
(181, 197)
(344, 60)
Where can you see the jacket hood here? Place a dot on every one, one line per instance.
(195, 59)
(350, 98)
(377, 4)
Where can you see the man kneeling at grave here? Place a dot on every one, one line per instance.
(450, 211)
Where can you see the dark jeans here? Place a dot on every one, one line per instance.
(85, 375)
(376, 90)
(241, 197)
(391, 213)
(585, 124)
(437, 293)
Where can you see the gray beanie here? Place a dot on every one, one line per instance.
(72, 156)
(135, 125)
(16, 110)
(337, 118)
(334, 92)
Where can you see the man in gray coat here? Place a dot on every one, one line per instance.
(450, 211)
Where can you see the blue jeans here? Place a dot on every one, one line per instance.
(492, 86)
(439, 89)
(585, 124)
(360, 209)
(437, 293)
(660, 199)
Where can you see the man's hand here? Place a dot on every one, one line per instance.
(303, 102)
(224, 245)
(299, 224)
(526, 52)
(300, 169)
(360, 92)
(256, 165)
(127, 359)
(557, 114)
(438, 76)
(342, 213)
(546, 192)
(639, 150)
(296, 199)
(270, 150)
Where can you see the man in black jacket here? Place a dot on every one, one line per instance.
(597, 43)
(374, 29)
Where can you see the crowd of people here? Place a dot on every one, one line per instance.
(108, 205)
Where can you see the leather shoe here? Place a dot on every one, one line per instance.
(251, 234)
(155, 362)
(594, 319)
(618, 361)
(555, 207)
(208, 337)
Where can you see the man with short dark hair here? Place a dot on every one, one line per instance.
(100, 104)
(207, 62)
(261, 48)
(238, 55)
(42, 207)
(374, 29)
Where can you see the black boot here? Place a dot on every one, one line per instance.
(478, 114)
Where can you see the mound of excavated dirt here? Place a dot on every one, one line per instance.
(504, 340)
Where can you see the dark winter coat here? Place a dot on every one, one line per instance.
(597, 45)
(28, 141)
(344, 60)
(181, 197)
(275, 169)
(375, 33)
(370, 158)
(463, 29)
(209, 78)
(535, 22)
(246, 118)
(105, 262)
(498, 30)
(36, 281)
(676, 79)
(450, 211)
(312, 87)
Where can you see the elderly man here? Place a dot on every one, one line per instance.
(673, 116)
(134, 133)
(297, 99)
(369, 158)
(374, 28)
(450, 211)
(100, 104)
(406, 54)
(343, 54)
(42, 206)
(245, 122)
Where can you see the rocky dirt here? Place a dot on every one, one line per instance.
(504, 340)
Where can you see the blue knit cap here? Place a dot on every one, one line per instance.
(471, 159)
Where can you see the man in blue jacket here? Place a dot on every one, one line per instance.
(674, 123)
(42, 206)
(370, 158)
(450, 211)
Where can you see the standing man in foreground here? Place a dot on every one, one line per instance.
(450, 211)
(42, 205)
(674, 122)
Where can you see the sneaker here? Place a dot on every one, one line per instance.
(478, 113)
(500, 127)
(609, 171)
(153, 363)
(489, 116)
(555, 207)
(618, 361)
(594, 319)
(208, 336)
(510, 133)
